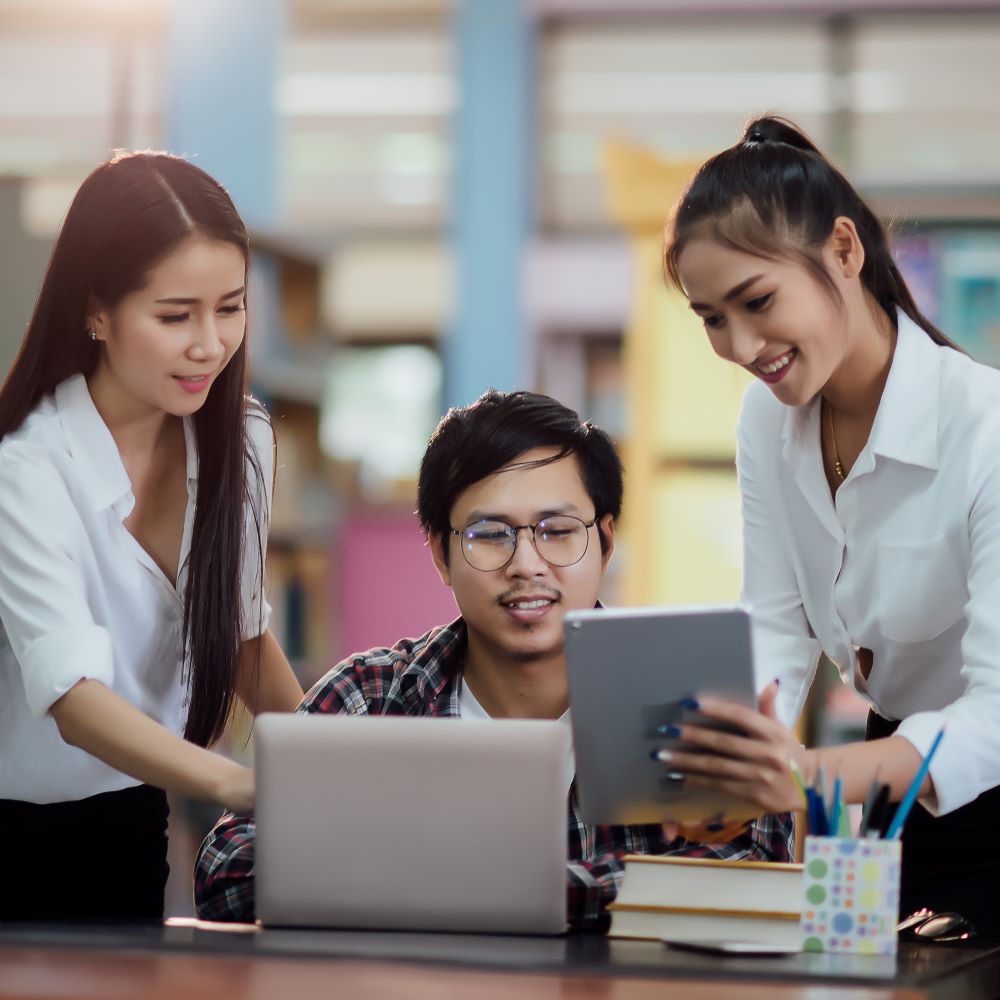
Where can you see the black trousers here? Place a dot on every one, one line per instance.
(99, 859)
(951, 862)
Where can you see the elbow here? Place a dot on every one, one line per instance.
(65, 715)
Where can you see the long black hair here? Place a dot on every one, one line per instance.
(775, 195)
(129, 214)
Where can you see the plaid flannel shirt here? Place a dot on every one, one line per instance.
(423, 677)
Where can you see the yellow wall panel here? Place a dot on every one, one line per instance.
(696, 538)
(697, 395)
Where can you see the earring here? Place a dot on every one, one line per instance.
(92, 333)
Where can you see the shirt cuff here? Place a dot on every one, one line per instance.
(792, 660)
(953, 770)
(53, 663)
(257, 617)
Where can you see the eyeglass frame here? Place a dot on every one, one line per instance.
(517, 529)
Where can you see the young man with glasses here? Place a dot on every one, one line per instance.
(518, 498)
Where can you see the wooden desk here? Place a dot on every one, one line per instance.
(174, 962)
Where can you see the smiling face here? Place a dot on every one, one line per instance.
(516, 612)
(772, 317)
(165, 344)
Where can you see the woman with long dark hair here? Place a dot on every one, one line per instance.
(135, 479)
(870, 480)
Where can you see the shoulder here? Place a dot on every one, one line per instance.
(374, 681)
(969, 389)
(35, 456)
(969, 413)
(260, 433)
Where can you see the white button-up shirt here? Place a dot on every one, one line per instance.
(79, 597)
(905, 561)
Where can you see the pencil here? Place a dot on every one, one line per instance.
(798, 779)
(896, 826)
(835, 807)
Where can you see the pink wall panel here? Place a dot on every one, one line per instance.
(387, 586)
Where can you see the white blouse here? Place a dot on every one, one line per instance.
(905, 561)
(79, 597)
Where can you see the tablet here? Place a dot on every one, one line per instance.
(629, 672)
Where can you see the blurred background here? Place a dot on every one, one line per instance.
(447, 195)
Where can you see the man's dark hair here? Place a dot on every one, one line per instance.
(473, 442)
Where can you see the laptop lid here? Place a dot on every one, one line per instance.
(411, 823)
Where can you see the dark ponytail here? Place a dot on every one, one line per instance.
(775, 195)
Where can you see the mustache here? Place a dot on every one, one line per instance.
(518, 592)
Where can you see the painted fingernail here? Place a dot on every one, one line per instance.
(667, 730)
(662, 755)
(675, 776)
(691, 704)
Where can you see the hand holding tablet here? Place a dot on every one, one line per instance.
(635, 677)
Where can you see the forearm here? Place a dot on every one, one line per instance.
(267, 681)
(894, 760)
(94, 718)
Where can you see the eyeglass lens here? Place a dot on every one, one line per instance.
(560, 541)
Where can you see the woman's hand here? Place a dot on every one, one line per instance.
(236, 789)
(753, 767)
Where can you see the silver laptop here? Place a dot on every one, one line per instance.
(411, 823)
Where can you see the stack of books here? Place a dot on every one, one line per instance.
(694, 899)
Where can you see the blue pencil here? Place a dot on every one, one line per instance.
(835, 807)
(896, 826)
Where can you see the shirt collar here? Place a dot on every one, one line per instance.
(91, 444)
(906, 423)
(435, 670)
(102, 474)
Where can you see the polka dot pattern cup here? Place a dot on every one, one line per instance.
(851, 895)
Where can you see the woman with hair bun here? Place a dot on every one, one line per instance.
(135, 481)
(869, 472)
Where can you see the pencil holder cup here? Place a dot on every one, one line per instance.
(851, 899)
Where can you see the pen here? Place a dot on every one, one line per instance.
(876, 818)
(896, 826)
(821, 810)
(866, 809)
(812, 813)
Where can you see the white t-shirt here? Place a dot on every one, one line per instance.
(470, 709)
(79, 597)
(904, 561)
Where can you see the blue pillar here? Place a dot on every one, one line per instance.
(491, 209)
(221, 70)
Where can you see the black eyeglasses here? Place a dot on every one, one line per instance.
(926, 925)
(561, 540)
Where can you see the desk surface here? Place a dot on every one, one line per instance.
(163, 963)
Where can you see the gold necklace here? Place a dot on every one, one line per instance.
(838, 468)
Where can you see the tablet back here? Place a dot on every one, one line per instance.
(629, 670)
(411, 823)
